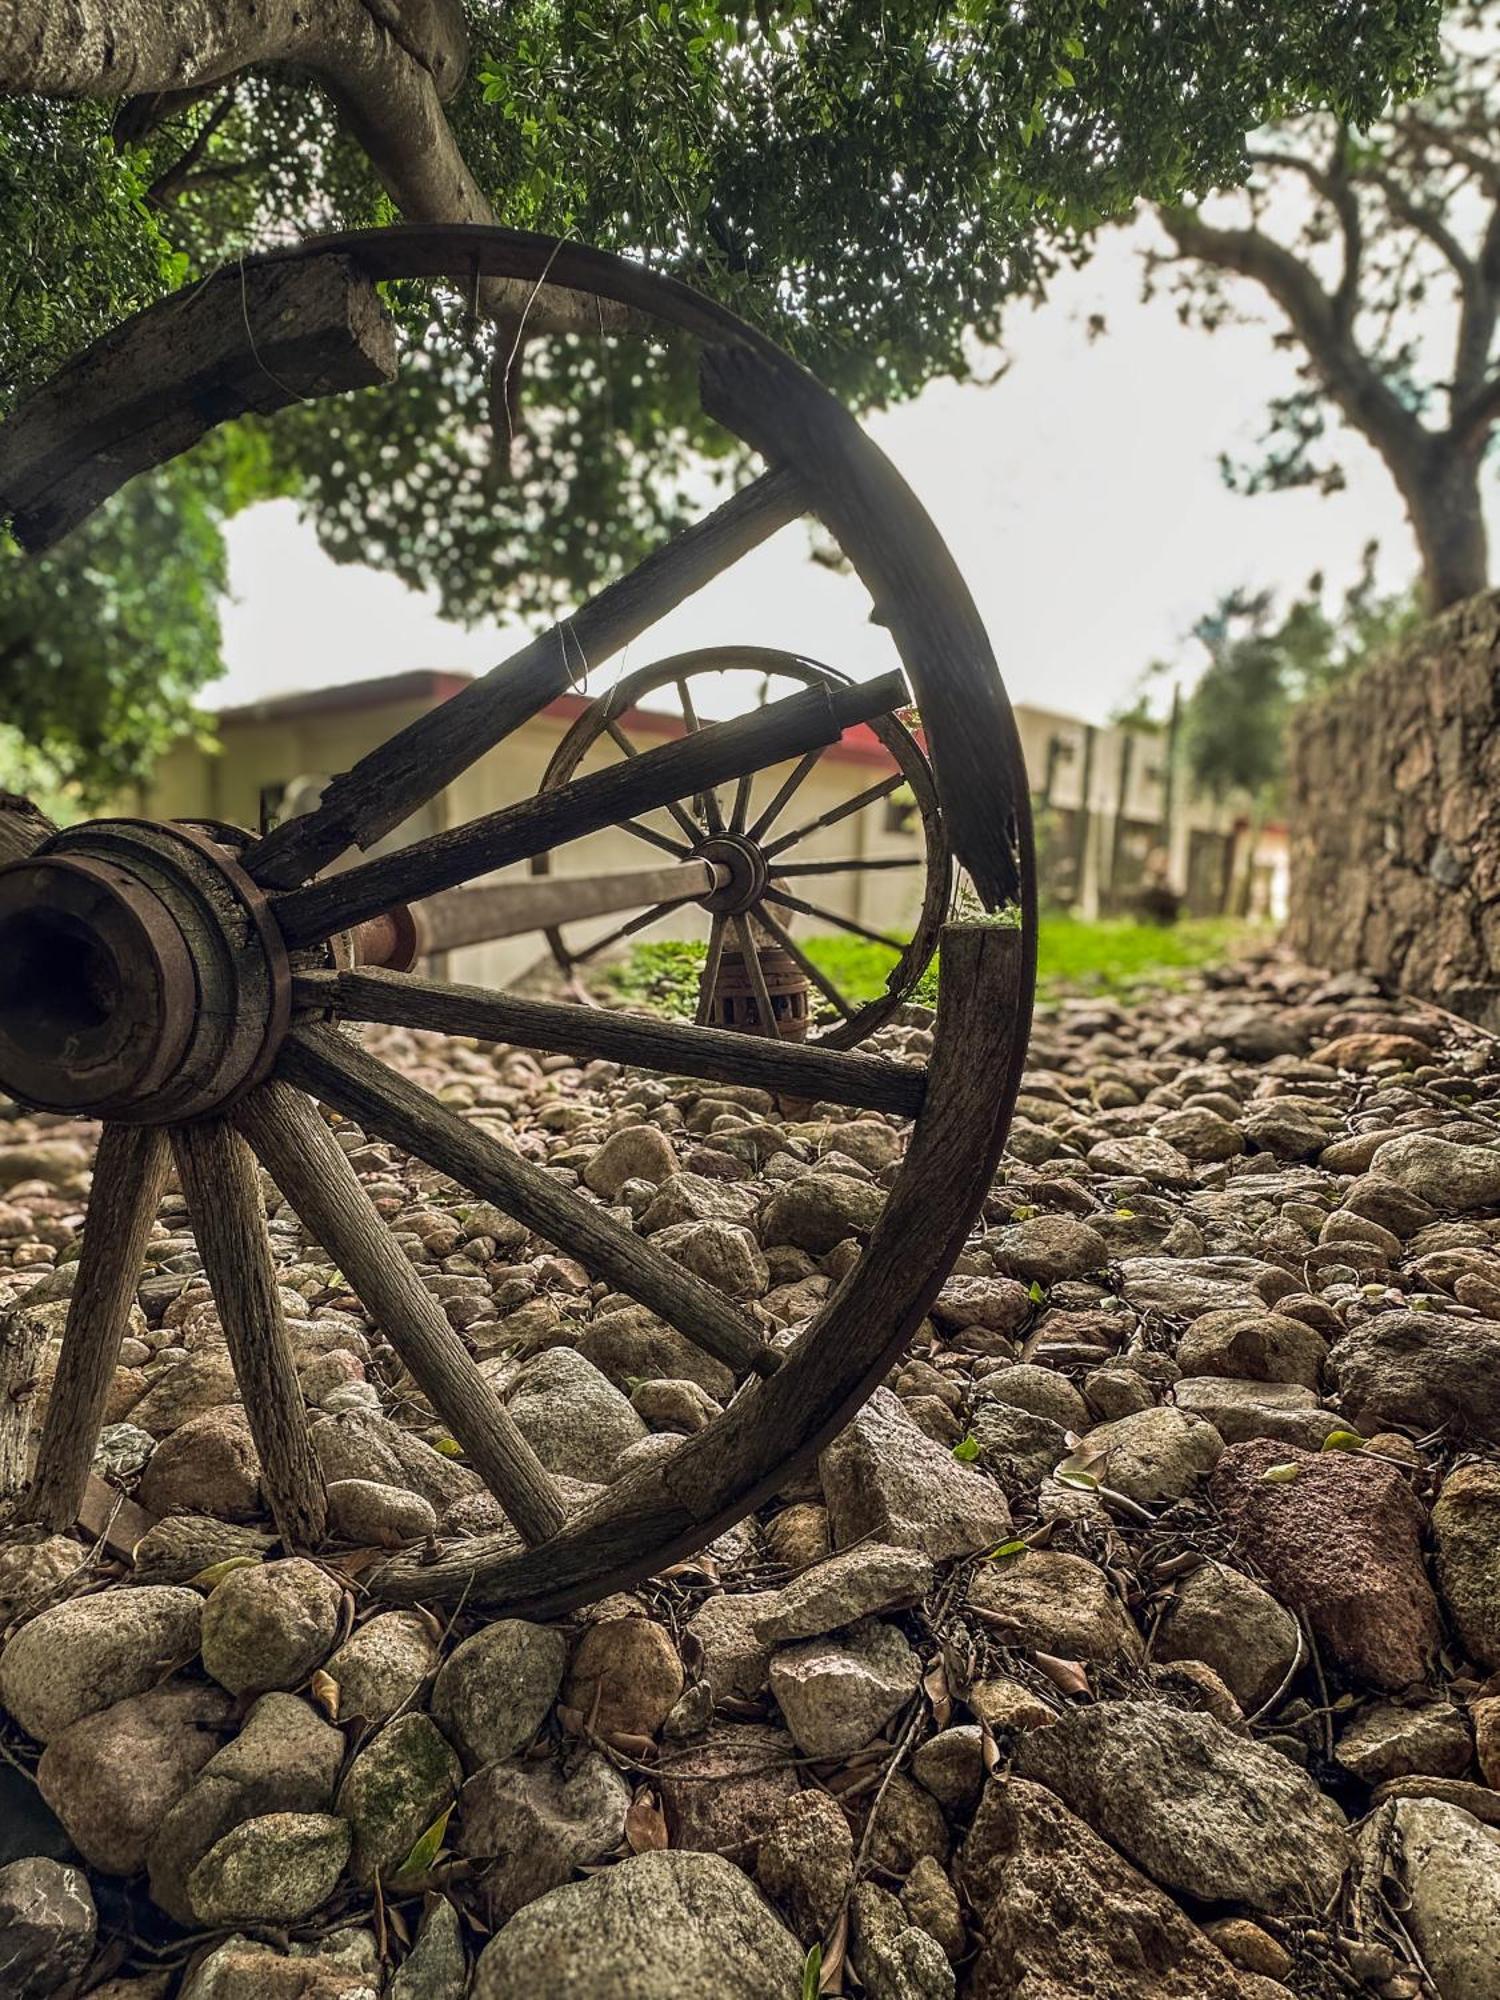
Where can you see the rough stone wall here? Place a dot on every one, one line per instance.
(1394, 806)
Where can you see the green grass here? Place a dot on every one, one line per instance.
(1115, 956)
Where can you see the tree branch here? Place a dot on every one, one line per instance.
(1475, 419)
(1355, 385)
(389, 66)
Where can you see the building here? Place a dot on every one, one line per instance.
(1105, 813)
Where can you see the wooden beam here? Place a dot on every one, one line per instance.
(786, 1069)
(324, 1063)
(675, 770)
(255, 337)
(313, 1172)
(389, 784)
(509, 909)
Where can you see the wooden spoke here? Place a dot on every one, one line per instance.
(790, 784)
(713, 958)
(722, 751)
(313, 1172)
(321, 1061)
(765, 1013)
(219, 1179)
(621, 931)
(130, 1175)
(389, 784)
(509, 909)
(654, 839)
(807, 966)
(685, 821)
(401, 1000)
(775, 895)
(848, 864)
(868, 797)
(740, 811)
(708, 801)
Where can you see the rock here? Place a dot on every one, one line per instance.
(393, 1791)
(493, 1691)
(998, 1305)
(632, 1345)
(1420, 1371)
(343, 1965)
(689, 1197)
(885, 1481)
(79, 1657)
(33, 1571)
(798, 1535)
(1450, 1867)
(1049, 1248)
(1249, 1947)
(805, 1863)
(736, 1661)
(52, 1160)
(1466, 1532)
(837, 1693)
(895, 1959)
(272, 1870)
(723, 1254)
(625, 1675)
(1341, 1543)
(1261, 1346)
(574, 1418)
(658, 1926)
(1287, 1129)
(1241, 1410)
(203, 1382)
(1200, 1134)
(682, 1407)
(817, 1211)
(910, 1824)
(721, 1794)
(535, 1824)
(286, 1758)
(208, 1465)
(381, 1665)
(1116, 1392)
(1142, 1158)
(1156, 1454)
(437, 1967)
(1453, 1178)
(1061, 1915)
(269, 1626)
(1042, 1392)
(110, 1777)
(1386, 1741)
(375, 1515)
(1234, 1626)
(928, 1898)
(1203, 1810)
(634, 1153)
(1051, 1602)
(950, 1765)
(47, 1927)
(864, 1580)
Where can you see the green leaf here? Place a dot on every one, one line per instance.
(812, 1972)
(1282, 1474)
(426, 1850)
(1036, 1291)
(214, 1575)
(967, 1449)
(449, 1447)
(1086, 1482)
(1343, 1441)
(1006, 1551)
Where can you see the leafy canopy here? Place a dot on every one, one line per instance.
(870, 184)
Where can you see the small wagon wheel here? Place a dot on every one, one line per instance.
(182, 987)
(774, 868)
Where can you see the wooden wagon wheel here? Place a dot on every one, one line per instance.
(767, 877)
(183, 990)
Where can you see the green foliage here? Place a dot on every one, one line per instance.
(1259, 669)
(871, 184)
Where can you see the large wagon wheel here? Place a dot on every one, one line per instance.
(181, 989)
(772, 869)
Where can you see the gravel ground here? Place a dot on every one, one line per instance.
(1133, 1643)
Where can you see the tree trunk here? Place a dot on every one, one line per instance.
(1443, 501)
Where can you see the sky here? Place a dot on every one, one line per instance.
(1080, 494)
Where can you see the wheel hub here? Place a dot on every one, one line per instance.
(141, 975)
(743, 873)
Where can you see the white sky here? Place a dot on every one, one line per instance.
(1080, 494)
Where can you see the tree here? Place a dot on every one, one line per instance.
(870, 184)
(1261, 668)
(1359, 232)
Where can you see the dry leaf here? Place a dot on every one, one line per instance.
(831, 1974)
(935, 1682)
(324, 1690)
(1071, 1676)
(645, 1823)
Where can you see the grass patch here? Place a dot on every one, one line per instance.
(1116, 956)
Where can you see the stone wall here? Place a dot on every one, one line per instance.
(1394, 807)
